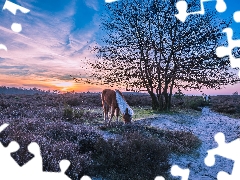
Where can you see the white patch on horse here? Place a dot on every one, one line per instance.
(122, 104)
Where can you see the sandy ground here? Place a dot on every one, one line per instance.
(204, 127)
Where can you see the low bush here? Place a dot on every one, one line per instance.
(79, 113)
(197, 104)
(179, 94)
(73, 101)
(177, 141)
(134, 158)
(68, 112)
(227, 104)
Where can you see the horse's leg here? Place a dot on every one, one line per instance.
(117, 114)
(112, 113)
(106, 110)
(104, 116)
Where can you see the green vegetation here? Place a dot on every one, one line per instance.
(68, 112)
(144, 112)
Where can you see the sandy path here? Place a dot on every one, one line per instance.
(204, 127)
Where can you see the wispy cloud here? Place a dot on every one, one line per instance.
(52, 42)
(94, 4)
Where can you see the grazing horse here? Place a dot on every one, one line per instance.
(114, 101)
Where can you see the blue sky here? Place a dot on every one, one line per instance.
(56, 36)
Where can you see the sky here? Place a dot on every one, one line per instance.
(55, 40)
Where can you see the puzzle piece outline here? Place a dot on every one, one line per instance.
(177, 171)
(182, 8)
(223, 51)
(16, 27)
(31, 169)
(228, 150)
(12, 7)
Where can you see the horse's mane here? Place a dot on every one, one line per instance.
(122, 103)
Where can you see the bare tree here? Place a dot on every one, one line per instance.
(147, 48)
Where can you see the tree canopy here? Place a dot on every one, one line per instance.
(146, 48)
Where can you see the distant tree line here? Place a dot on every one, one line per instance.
(15, 90)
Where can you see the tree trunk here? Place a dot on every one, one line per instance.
(169, 101)
(170, 95)
(160, 101)
(166, 101)
(155, 103)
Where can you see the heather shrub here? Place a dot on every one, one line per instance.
(238, 108)
(134, 157)
(58, 134)
(68, 112)
(177, 141)
(56, 151)
(73, 101)
(142, 152)
(57, 141)
(179, 94)
(82, 137)
(197, 104)
(182, 142)
(52, 113)
(4, 104)
(23, 139)
(79, 113)
(227, 104)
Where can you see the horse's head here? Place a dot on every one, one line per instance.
(127, 117)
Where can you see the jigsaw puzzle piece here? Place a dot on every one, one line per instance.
(227, 51)
(29, 171)
(182, 7)
(14, 7)
(34, 166)
(9, 166)
(222, 51)
(64, 164)
(177, 171)
(5, 156)
(227, 150)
